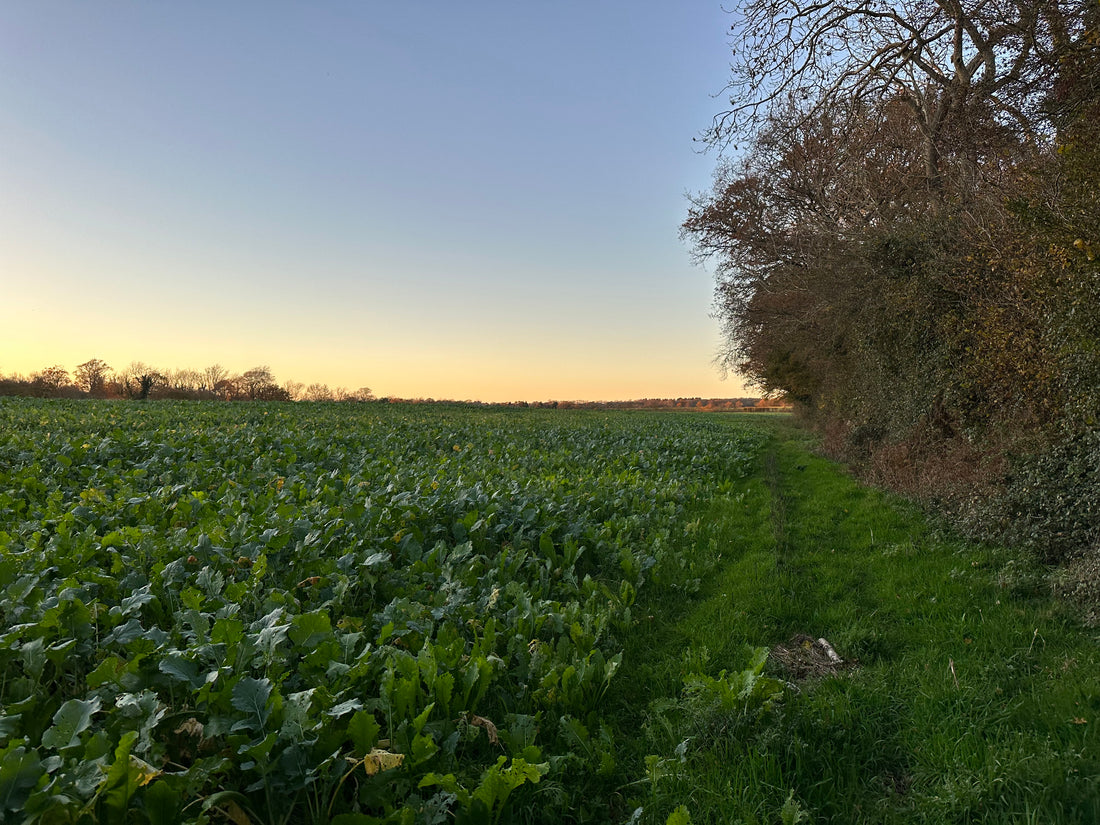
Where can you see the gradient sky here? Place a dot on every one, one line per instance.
(451, 200)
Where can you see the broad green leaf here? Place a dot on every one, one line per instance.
(176, 666)
(268, 640)
(126, 775)
(546, 546)
(162, 804)
(375, 560)
(20, 771)
(135, 600)
(113, 539)
(792, 812)
(9, 725)
(233, 803)
(612, 666)
(423, 749)
(227, 631)
(345, 707)
(250, 696)
(33, 654)
(422, 718)
(211, 581)
(445, 781)
(444, 688)
(498, 782)
(405, 692)
(363, 729)
(110, 671)
(307, 629)
(71, 719)
(298, 723)
(259, 751)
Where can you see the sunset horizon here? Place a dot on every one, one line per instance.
(481, 203)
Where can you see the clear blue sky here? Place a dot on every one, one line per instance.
(456, 200)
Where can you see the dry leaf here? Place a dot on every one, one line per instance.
(490, 728)
(192, 727)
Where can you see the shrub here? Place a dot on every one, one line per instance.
(1052, 497)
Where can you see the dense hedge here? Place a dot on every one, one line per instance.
(941, 326)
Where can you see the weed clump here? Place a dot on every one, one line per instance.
(804, 657)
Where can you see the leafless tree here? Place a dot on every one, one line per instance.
(293, 389)
(317, 392)
(360, 394)
(212, 376)
(939, 58)
(185, 380)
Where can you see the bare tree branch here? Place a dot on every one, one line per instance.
(936, 56)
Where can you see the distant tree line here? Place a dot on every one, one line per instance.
(139, 381)
(694, 403)
(906, 241)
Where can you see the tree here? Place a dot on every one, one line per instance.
(91, 376)
(256, 380)
(293, 389)
(787, 227)
(949, 62)
(139, 380)
(317, 392)
(51, 379)
(344, 394)
(185, 380)
(884, 144)
(259, 384)
(229, 388)
(908, 245)
(212, 376)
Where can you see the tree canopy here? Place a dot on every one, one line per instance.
(905, 229)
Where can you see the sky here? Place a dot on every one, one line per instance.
(475, 200)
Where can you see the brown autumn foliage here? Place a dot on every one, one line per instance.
(916, 262)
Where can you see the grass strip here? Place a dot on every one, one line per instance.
(973, 696)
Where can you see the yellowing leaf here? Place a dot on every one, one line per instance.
(145, 773)
(380, 760)
(236, 813)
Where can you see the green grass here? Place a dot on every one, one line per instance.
(974, 700)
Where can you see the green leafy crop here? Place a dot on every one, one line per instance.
(279, 613)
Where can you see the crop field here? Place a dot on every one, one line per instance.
(264, 614)
(279, 613)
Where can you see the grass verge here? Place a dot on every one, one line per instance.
(973, 697)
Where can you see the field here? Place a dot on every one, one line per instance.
(358, 613)
(295, 613)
